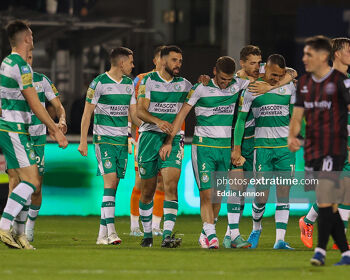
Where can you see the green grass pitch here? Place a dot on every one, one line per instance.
(66, 250)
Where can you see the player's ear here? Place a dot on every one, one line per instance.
(214, 71)
(241, 62)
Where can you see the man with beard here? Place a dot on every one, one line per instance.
(161, 95)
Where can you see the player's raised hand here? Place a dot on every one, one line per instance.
(165, 126)
(165, 151)
(204, 79)
(259, 87)
(293, 144)
(83, 149)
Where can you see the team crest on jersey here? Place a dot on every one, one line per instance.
(25, 69)
(233, 89)
(282, 90)
(347, 83)
(304, 90)
(108, 164)
(38, 87)
(142, 171)
(205, 178)
(330, 88)
(32, 155)
(128, 89)
(177, 87)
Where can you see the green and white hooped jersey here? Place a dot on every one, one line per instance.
(15, 76)
(214, 109)
(112, 100)
(272, 114)
(45, 89)
(166, 98)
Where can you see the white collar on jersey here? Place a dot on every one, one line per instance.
(109, 76)
(165, 81)
(323, 78)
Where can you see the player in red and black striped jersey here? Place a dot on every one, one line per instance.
(341, 62)
(323, 95)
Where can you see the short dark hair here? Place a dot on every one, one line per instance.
(277, 59)
(338, 44)
(225, 64)
(319, 43)
(157, 50)
(119, 52)
(167, 49)
(248, 50)
(14, 27)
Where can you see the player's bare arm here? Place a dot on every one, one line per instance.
(85, 123)
(261, 87)
(144, 115)
(61, 114)
(133, 115)
(180, 118)
(33, 100)
(294, 129)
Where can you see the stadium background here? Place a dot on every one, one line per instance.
(72, 40)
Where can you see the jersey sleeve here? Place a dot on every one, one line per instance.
(24, 76)
(242, 83)
(344, 86)
(194, 95)
(145, 88)
(188, 86)
(293, 93)
(247, 101)
(133, 97)
(299, 98)
(93, 94)
(49, 89)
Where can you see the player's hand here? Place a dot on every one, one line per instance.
(58, 136)
(293, 144)
(165, 126)
(165, 151)
(204, 79)
(83, 149)
(259, 87)
(62, 126)
(236, 158)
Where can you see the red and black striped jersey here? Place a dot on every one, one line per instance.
(325, 103)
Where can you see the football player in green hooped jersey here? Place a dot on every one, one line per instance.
(110, 97)
(160, 98)
(211, 147)
(18, 100)
(270, 142)
(37, 131)
(341, 62)
(250, 62)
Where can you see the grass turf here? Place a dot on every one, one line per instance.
(66, 250)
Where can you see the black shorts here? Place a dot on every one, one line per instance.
(326, 164)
